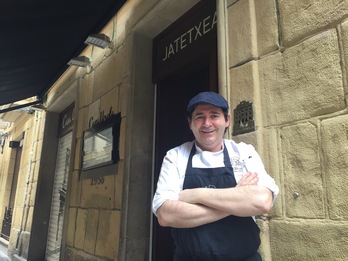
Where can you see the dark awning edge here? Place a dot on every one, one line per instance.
(41, 38)
(39, 101)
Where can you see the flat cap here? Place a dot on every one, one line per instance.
(212, 98)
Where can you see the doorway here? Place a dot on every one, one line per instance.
(7, 221)
(172, 129)
(55, 228)
(184, 64)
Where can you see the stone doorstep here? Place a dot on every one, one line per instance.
(18, 258)
(3, 244)
(3, 249)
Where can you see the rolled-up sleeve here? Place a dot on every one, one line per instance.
(253, 163)
(168, 185)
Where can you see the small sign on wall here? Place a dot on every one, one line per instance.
(243, 120)
(66, 120)
(100, 147)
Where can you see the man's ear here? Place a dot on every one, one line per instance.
(228, 122)
(189, 122)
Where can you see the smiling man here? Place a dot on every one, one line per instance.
(210, 189)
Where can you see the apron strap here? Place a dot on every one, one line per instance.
(227, 160)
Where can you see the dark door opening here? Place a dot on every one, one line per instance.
(7, 221)
(172, 129)
(189, 66)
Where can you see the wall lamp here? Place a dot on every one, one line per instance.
(81, 61)
(99, 40)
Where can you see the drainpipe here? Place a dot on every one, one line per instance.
(222, 50)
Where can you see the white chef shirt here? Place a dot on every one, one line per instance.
(243, 158)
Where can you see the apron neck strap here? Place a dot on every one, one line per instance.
(227, 161)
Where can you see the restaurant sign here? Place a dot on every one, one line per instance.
(187, 37)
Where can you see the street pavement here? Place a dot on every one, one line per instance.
(3, 252)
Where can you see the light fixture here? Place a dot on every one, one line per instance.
(81, 61)
(38, 107)
(99, 40)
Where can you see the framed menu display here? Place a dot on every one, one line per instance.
(100, 148)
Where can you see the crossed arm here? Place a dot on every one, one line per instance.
(201, 206)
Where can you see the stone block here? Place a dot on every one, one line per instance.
(344, 40)
(243, 83)
(334, 136)
(241, 35)
(70, 254)
(303, 181)
(23, 245)
(36, 151)
(31, 195)
(82, 256)
(80, 229)
(78, 154)
(85, 88)
(41, 129)
(93, 112)
(266, 26)
(100, 195)
(29, 218)
(75, 190)
(249, 138)
(299, 18)
(91, 230)
(270, 158)
(18, 215)
(12, 244)
(109, 73)
(123, 102)
(82, 121)
(119, 185)
(231, 2)
(71, 226)
(122, 144)
(303, 82)
(35, 166)
(308, 240)
(109, 102)
(108, 234)
(265, 248)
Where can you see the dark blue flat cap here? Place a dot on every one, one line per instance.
(212, 98)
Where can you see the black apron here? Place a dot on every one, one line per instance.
(229, 239)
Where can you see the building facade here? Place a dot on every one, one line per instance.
(282, 65)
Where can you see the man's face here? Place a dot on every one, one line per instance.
(208, 126)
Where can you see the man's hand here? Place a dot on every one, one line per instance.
(248, 179)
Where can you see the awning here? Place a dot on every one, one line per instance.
(39, 37)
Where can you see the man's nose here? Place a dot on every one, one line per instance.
(206, 121)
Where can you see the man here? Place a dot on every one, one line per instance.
(209, 190)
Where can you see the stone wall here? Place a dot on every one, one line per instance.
(22, 215)
(112, 221)
(289, 58)
(94, 210)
